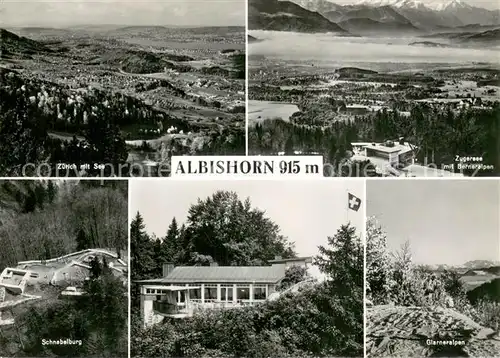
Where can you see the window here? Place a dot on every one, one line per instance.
(181, 296)
(211, 292)
(226, 293)
(259, 292)
(196, 293)
(242, 292)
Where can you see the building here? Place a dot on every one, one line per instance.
(396, 154)
(15, 280)
(396, 158)
(185, 290)
(357, 109)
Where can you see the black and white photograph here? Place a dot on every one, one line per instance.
(246, 268)
(433, 268)
(63, 268)
(117, 87)
(379, 88)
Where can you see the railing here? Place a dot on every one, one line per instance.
(168, 308)
(214, 304)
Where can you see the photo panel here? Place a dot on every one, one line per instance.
(64, 268)
(432, 268)
(246, 268)
(378, 88)
(117, 87)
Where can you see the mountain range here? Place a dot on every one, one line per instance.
(368, 16)
(287, 16)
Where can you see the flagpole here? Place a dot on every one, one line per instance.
(347, 208)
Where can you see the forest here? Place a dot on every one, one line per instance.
(45, 219)
(323, 320)
(440, 135)
(46, 123)
(98, 319)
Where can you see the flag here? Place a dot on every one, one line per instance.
(353, 202)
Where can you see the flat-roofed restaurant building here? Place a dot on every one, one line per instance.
(184, 290)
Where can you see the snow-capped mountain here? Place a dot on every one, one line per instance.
(437, 5)
(451, 6)
(398, 4)
(450, 13)
(426, 15)
(317, 5)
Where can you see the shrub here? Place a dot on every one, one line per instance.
(488, 313)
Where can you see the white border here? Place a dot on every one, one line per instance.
(364, 240)
(129, 284)
(246, 77)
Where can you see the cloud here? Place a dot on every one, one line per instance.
(124, 12)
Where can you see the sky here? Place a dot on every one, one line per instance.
(487, 4)
(306, 212)
(65, 13)
(446, 221)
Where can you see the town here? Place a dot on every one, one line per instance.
(353, 115)
(378, 88)
(121, 95)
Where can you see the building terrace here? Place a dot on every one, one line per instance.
(185, 290)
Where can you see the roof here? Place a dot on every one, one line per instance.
(306, 259)
(398, 147)
(357, 106)
(382, 148)
(221, 274)
(173, 288)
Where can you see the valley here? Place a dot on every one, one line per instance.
(127, 98)
(361, 95)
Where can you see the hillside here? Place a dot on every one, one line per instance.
(12, 44)
(490, 36)
(252, 39)
(286, 16)
(54, 218)
(17, 197)
(380, 14)
(489, 290)
(480, 264)
(404, 331)
(370, 26)
(428, 44)
(349, 71)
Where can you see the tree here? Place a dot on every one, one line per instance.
(378, 265)
(95, 268)
(98, 319)
(51, 191)
(231, 232)
(141, 249)
(289, 146)
(170, 246)
(293, 275)
(30, 201)
(82, 240)
(342, 262)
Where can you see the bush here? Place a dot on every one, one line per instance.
(488, 313)
(293, 275)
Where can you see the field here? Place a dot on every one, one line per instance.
(260, 110)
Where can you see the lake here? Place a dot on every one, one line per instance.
(260, 110)
(330, 49)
